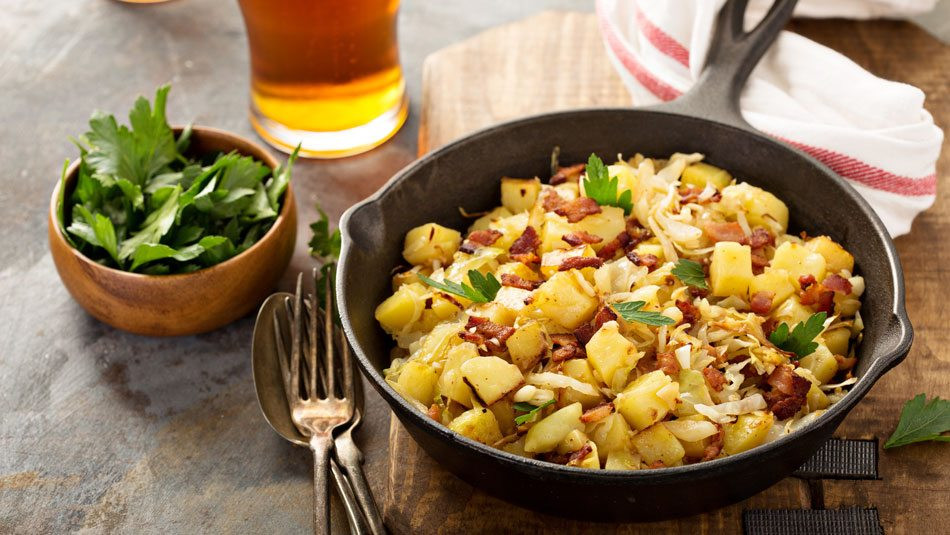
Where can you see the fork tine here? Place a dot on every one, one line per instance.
(312, 354)
(282, 355)
(296, 336)
(328, 337)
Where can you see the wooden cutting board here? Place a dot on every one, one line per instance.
(556, 60)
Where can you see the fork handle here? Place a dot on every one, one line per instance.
(351, 459)
(321, 447)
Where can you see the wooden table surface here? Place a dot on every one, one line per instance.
(106, 432)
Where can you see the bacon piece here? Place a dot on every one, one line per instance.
(598, 413)
(579, 455)
(648, 260)
(508, 279)
(585, 332)
(730, 231)
(691, 194)
(715, 447)
(845, 363)
(609, 250)
(698, 292)
(760, 238)
(806, 280)
(690, 311)
(666, 361)
(570, 173)
(566, 347)
(486, 334)
(580, 237)
(837, 283)
(759, 262)
(479, 238)
(435, 412)
(761, 302)
(578, 209)
(580, 262)
(788, 392)
(552, 201)
(657, 464)
(819, 297)
(525, 248)
(714, 378)
(768, 326)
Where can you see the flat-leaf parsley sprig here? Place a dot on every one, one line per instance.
(599, 186)
(921, 421)
(631, 311)
(801, 339)
(690, 273)
(483, 288)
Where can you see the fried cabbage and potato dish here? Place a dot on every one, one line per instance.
(646, 314)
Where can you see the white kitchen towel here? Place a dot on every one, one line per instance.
(873, 132)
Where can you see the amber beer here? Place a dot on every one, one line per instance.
(325, 73)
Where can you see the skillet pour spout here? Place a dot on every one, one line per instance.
(706, 120)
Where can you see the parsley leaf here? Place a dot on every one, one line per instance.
(601, 188)
(529, 410)
(630, 311)
(921, 421)
(324, 244)
(801, 339)
(483, 289)
(690, 273)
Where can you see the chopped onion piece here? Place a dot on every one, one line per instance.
(846, 382)
(555, 380)
(691, 430)
(669, 393)
(724, 412)
(682, 356)
(511, 297)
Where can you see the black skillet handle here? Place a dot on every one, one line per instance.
(733, 54)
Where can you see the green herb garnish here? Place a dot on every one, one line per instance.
(324, 246)
(801, 340)
(529, 410)
(139, 204)
(601, 188)
(690, 273)
(630, 311)
(482, 290)
(921, 421)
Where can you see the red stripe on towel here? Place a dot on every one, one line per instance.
(660, 39)
(662, 90)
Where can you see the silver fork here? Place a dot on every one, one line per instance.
(317, 414)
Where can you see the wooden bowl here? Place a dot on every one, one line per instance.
(188, 303)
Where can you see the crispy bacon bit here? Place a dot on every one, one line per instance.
(768, 327)
(691, 194)
(761, 302)
(570, 173)
(697, 292)
(788, 392)
(580, 262)
(598, 413)
(434, 412)
(730, 231)
(479, 238)
(525, 248)
(819, 297)
(837, 283)
(760, 238)
(609, 250)
(508, 279)
(552, 201)
(690, 311)
(759, 262)
(566, 347)
(714, 378)
(578, 209)
(666, 361)
(657, 464)
(648, 260)
(845, 363)
(484, 333)
(714, 447)
(428, 303)
(806, 280)
(585, 332)
(579, 455)
(636, 232)
(580, 237)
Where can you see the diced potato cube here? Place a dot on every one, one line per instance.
(611, 354)
(574, 441)
(504, 412)
(418, 379)
(822, 364)
(519, 269)
(759, 205)
(496, 312)
(401, 308)
(430, 244)
(625, 174)
(610, 434)
(693, 390)
(816, 399)
(405, 277)
(519, 194)
(730, 269)
(516, 448)
(528, 345)
(639, 403)
(486, 220)
(650, 247)
(792, 312)
(699, 174)
(656, 443)
(607, 224)
(491, 377)
(452, 384)
(837, 340)
(622, 460)
(591, 460)
(798, 261)
(551, 261)
(776, 281)
(511, 228)
(563, 301)
(836, 258)
(545, 435)
(478, 424)
(578, 369)
(555, 227)
(748, 431)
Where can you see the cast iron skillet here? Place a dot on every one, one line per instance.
(466, 172)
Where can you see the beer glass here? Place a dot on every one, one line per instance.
(324, 74)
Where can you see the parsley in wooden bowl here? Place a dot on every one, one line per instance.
(170, 231)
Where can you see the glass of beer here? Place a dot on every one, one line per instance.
(325, 74)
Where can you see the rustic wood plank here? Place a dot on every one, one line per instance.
(530, 67)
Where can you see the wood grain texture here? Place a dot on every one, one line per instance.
(556, 61)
